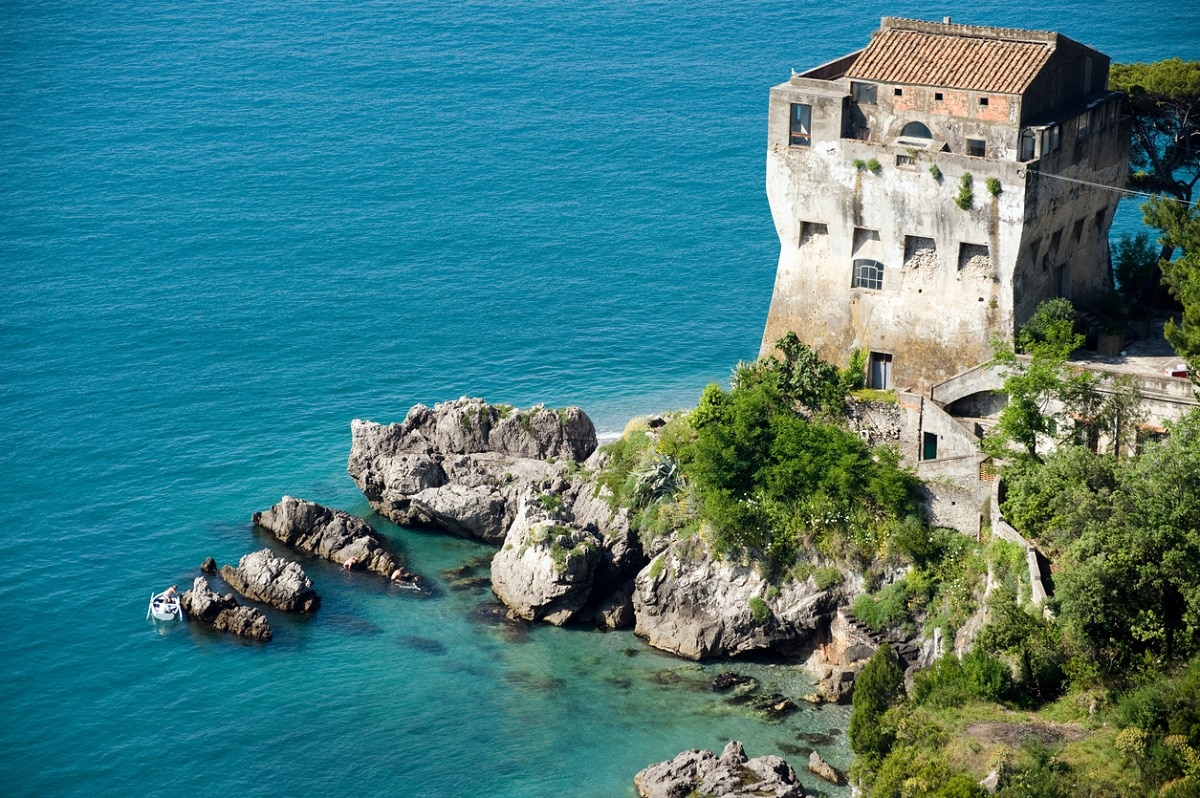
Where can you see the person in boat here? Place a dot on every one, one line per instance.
(399, 576)
(171, 593)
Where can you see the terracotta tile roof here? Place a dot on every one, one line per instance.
(952, 60)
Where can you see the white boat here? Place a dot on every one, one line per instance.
(164, 607)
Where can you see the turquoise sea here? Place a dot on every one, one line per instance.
(229, 228)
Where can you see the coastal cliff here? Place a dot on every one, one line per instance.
(534, 483)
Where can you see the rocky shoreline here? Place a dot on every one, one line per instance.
(528, 483)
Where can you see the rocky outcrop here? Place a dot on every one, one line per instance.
(691, 603)
(262, 576)
(731, 775)
(819, 767)
(331, 534)
(545, 568)
(461, 466)
(223, 613)
(513, 478)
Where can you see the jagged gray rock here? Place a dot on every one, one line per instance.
(223, 613)
(262, 576)
(819, 767)
(505, 477)
(461, 466)
(327, 533)
(731, 775)
(545, 568)
(689, 602)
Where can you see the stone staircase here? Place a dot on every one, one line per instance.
(905, 649)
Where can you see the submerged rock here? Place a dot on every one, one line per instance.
(331, 534)
(731, 775)
(729, 680)
(223, 613)
(262, 576)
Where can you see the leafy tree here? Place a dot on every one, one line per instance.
(1163, 101)
(1135, 269)
(1058, 499)
(1180, 228)
(1033, 383)
(766, 475)
(877, 688)
(1128, 586)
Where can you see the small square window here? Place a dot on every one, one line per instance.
(899, 92)
(976, 148)
(937, 96)
(983, 100)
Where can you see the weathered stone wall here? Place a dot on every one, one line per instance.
(953, 277)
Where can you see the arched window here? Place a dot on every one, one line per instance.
(1028, 143)
(916, 130)
(867, 274)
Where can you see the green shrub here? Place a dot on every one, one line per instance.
(886, 609)
(993, 186)
(873, 166)
(951, 682)
(937, 173)
(966, 197)
(550, 502)
(859, 164)
(827, 577)
(760, 610)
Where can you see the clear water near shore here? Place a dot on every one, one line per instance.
(229, 228)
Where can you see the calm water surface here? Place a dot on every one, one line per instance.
(228, 228)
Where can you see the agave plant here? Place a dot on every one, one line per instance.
(658, 478)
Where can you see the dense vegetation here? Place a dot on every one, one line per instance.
(767, 472)
(1099, 691)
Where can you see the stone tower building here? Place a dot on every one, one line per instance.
(883, 249)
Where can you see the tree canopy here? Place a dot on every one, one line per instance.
(1163, 101)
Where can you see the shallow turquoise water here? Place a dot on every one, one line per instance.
(227, 229)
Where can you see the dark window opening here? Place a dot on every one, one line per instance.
(905, 160)
(1028, 145)
(864, 93)
(1077, 233)
(868, 274)
(879, 371)
(801, 126)
(916, 130)
(937, 96)
(1051, 139)
(976, 148)
(983, 100)
(899, 92)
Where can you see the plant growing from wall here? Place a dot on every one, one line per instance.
(873, 166)
(937, 173)
(993, 186)
(966, 197)
(859, 164)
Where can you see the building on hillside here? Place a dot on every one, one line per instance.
(931, 189)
